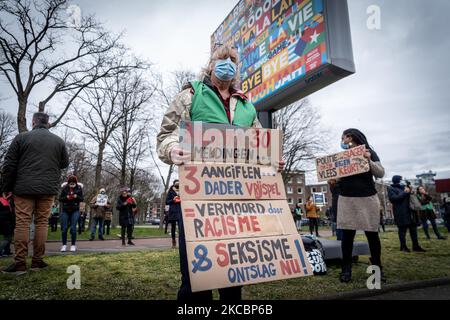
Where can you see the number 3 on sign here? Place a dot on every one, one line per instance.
(191, 171)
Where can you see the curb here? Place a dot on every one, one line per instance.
(366, 293)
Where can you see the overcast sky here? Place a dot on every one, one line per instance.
(399, 96)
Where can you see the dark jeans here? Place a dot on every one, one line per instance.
(339, 234)
(185, 293)
(314, 225)
(173, 228)
(5, 245)
(129, 231)
(106, 227)
(347, 247)
(166, 223)
(53, 224)
(71, 218)
(96, 221)
(81, 223)
(425, 227)
(413, 234)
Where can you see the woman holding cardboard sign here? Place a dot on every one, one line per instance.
(358, 205)
(213, 99)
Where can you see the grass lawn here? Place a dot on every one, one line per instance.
(155, 275)
(138, 233)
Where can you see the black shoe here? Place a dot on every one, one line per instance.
(101, 238)
(346, 275)
(91, 239)
(442, 238)
(419, 249)
(405, 249)
(38, 266)
(15, 269)
(130, 243)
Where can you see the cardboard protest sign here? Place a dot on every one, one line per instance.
(237, 262)
(214, 181)
(102, 200)
(212, 142)
(209, 220)
(238, 225)
(319, 198)
(343, 164)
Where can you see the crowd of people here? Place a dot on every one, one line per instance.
(27, 197)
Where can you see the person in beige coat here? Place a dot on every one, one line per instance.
(359, 206)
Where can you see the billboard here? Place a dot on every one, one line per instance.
(287, 48)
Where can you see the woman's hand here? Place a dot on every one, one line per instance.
(179, 156)
(367, 155)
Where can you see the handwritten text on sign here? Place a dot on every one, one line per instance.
(212, 142)
(201, 181)
(210, 220)
(102, 200)
(228, 263)
(343, 164)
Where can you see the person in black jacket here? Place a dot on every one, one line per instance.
(174, 202)
(125, 206)
(32, 171)
(399, 196)
(70, 198)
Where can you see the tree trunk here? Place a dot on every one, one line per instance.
(21, 115)
(98, 166)
(164, 195)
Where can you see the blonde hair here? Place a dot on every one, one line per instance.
(223, 52)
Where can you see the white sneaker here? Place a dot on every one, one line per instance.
(73, 248)
(64, 248)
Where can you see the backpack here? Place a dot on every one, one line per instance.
(315, 253)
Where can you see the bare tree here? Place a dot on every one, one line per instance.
(34, 51)
(303, 137)
(7, 132)
(128, 143)
(166, 94)
(98, 117)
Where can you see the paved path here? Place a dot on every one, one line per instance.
(113, 246)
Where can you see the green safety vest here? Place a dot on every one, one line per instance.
(207, 107)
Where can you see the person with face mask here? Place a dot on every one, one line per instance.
(400, 195)
(174, 202)
(70, 198)
(126, 205)
(359, 206)
(214, 98)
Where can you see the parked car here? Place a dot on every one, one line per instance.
(155, 221)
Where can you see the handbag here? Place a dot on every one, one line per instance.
(316, 255)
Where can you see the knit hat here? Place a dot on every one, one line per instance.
(396, 179)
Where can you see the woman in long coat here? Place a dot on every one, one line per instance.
(359, 206)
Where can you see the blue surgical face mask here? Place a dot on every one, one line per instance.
(345, 146)
(225, 70)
